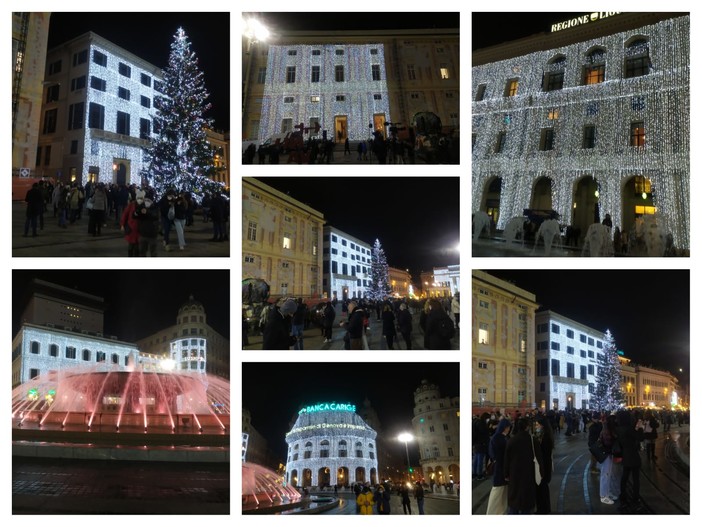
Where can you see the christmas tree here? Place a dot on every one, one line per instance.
(608, 389)
(180, 156)
(379, 287)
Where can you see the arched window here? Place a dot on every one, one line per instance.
(553, 74)
(308, 450)
(324, 449)
(359, 449)
(53, 350)
(594, 67)
(638, 62)
(86, 354)
(115, 358)
(343, 452)
(34, 347)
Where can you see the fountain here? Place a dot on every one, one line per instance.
(481, 222)
(514, 230)
(103, 406)
(548, 231)
(598, 241)
(264, 491)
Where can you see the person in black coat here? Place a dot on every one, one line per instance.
(481, 439)
(389, 325)
(496, 452)
(519, 469)
(35, 208)
(329, 316)
(276, 333)
(545, 435)
(629, 437)
(434, 337)
(404, 321)
(354, 325)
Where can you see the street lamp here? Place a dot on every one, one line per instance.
(406, 437)
(254, 31)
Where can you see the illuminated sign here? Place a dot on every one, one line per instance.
(323, 426)
(583, 19)
(328, 407)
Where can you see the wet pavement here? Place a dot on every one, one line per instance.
(74, 240)
(55, 486)
(433, 504)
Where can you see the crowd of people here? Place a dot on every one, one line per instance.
(517, 453)
(138, 212)
(283, 323)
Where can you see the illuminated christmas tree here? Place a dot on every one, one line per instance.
(180, 156)
(379, 287)
(608, 389)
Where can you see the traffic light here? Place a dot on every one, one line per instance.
(411, 470)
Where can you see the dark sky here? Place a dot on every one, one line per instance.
(139, 302)
(416, 219)
(150, 35)
(494, 28)
(648, 312)
(278, 22)
(274, 392)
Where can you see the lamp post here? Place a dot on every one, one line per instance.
(255, 32)
(406, 437)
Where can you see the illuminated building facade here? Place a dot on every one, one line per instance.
(350, 82)
(97, 112)
(346, 262)
(441, 282)
(566, 362)
(30, 34)
(400, 281)
(436, 426)
(192, 344)
(330, 444)
(502, 343)
(281, 241)
(647, 386)
(589, 120)
(220, 145)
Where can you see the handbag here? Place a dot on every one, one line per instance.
(597, 452)
(537, 471)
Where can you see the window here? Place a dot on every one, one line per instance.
(583, 373)
(86, 354)
(500, 144)
(637, 59)
(570, 367)
(70, 352)
(338, 52)
(590, 369)
(484, 304)
(570, 350)
(123, 93)
(637, 134)
(555, 328)
(411, 75)
(115, 358)
(594, 74)
(78, 83)
(599, 344)
(583, 338)
(590, 354)
(124, 70)
(552, 114)
(290, 74)
(52, 93)
(377, 97)
(542, 328)
(638, 103)
(482, 365)
(339, 73)
(33, 372)
(261, 78)
(97, 83)
(75, 116)
(443, 71)
(374, 51)
(144, 128)
(99, 58)
(546, 139)
(556, 346)
(53, 350)
(34, 347)
(314, 98)
(50, 117)
(292, 52)
(316, 52)
(589, 135)
(553, 78)
(122, 123)
(583, 354)
(55, 67)
(80, 58)
(145, 80)
(570, 333)
(375, 72)
(315, 74)
(74, 147)
(483, 333)
(555, 368)
(542, 368)
(288, 100)
(512, 87)
(145, 101)
(287, 242)
(480, 92)
(340, 98)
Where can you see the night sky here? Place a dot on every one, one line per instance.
(415, 219)
(648, 312)
(150, 35)
(278, 22)
(490, 29)
(138, 303)
(274, 392)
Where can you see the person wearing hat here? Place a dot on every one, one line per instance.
(382, 500)
(365, 502)
(276, 333)
(354, 326)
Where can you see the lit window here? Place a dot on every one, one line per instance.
(314, 98)
(512, 87)
(444, 71)
(483, 333)
(637, 135)
(553, 114)
(286, 241)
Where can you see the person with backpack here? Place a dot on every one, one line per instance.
(439, 327)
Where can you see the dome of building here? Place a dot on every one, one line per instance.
(330, 444)
(191, 305)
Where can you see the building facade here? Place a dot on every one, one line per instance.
(349, 82)
(400, 282)
(345, 266)
(30, 34)
(566, 362)
(502, 343)
(437, 430)
(191, 343)
(281, 241)
(330, 444)
(588, 121)
(221, 145)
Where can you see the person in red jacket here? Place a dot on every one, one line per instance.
(129, 226)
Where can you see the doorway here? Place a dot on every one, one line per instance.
(340, 130)
(379, 123)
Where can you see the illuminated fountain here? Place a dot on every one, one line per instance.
(264, 491)
(106, 400)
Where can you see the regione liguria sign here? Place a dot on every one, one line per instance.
(582, 19)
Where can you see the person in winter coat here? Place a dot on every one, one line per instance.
(520, 471)
(496, 452)
(35, 207)
(146, 215)
(298, 324)
(629, 437)
(365, 501)
(404, 321)
(544, 434)
(406, 501)
(609, 471)
(456, 309)
(181, 214)
(382, 500)
(650, 433)
(96, 216)
(167, 208)
(354, 325)
(130, 227)
(389, 325)
(439, 327)
(481, 439)
(276, 333)
(329, 316)
(419, 496)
